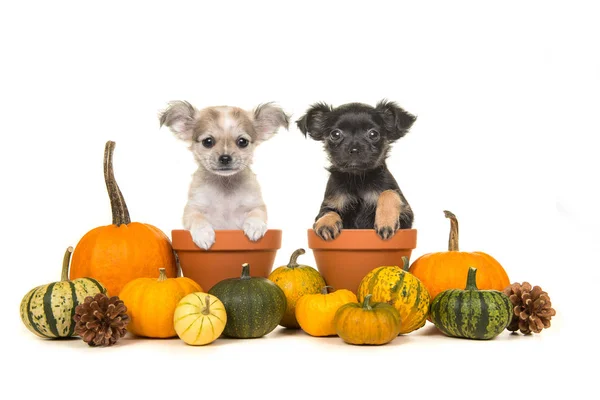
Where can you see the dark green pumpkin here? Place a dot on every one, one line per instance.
(471, 313)
(254, 305)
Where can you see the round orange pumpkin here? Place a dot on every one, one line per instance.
(118, 253)
(151, 303)
(367, 323)
(447, 270)
(316, 312)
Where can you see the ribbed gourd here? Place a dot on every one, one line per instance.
(48, 310)
(471, 313)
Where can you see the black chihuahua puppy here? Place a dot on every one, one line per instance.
(361, 192)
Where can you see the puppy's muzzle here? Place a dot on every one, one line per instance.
(225, 159)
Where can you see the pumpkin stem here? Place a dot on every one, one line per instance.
(245, 271)
(120, 213)
(324, 289)
(405, 265)
(162, 274)
(453, 240)
(206, 310)
(65, 268)
(472, 279)
(294, 258)
(367, 302)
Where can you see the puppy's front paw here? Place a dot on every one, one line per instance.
(387, 215)
(204, 237)
(254, 228)
(329, 226)
(387, 231)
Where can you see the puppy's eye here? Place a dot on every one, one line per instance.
(208, 142)
(243, 142)
(373, 134)
(335, 135)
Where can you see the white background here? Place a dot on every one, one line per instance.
(507, 99)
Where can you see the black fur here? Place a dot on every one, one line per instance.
(358, 170)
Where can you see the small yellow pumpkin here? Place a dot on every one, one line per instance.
(295, 280)
(367, 323)
(315, 312)
(199, 319)
(151, 303)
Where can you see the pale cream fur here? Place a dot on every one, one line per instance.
(221, 199)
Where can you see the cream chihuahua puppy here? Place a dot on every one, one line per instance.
(224, 193)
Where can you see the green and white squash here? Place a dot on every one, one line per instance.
(471, 313)
(254, 305)
(48, 310)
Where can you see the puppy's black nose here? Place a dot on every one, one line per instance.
(354, 150)
(225, 159)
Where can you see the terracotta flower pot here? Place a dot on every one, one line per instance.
(224, 259)
(345, 261)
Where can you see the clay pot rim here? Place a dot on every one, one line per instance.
(228, 240)
(364, 239)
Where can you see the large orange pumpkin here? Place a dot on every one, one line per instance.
(118, 253)
(447, 270)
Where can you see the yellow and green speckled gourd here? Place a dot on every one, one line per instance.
(48, 310)
(398, 287)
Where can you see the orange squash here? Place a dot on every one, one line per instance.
(151, 303)
(118, 253)
(316, 312)
(367, 323)
(447, 270)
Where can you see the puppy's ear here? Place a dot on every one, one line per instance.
(313, 122)
(397, 121)
(267, 119)
(179, 116)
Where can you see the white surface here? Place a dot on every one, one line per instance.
(496, 90)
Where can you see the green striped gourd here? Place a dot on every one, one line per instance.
(403, 290)
(48, 310)
(254, 305)
(471, 313)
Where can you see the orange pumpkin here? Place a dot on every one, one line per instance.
(315, 313)
(367, 323)
(447, 270)
(118, 253)
(151, 303)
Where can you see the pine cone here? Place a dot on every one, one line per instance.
(532, 308)
(101, 321)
